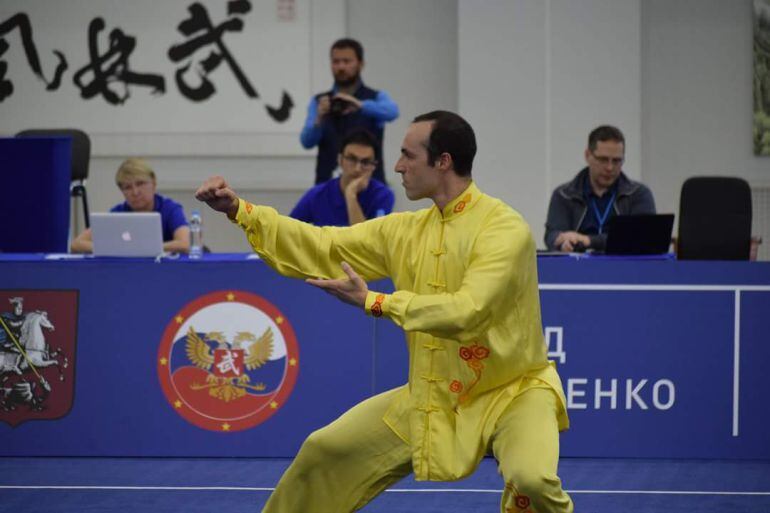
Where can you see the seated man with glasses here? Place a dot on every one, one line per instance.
(352, 197)
(136, 180)
(580, 209)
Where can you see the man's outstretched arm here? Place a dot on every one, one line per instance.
(294, 248)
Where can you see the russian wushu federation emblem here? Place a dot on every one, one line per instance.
(228, 361)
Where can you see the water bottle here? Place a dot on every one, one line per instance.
(196, 235)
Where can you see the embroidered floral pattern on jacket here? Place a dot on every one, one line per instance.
(473, 356)
(376, 308)
(461, 204)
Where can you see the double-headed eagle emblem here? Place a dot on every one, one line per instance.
(228, 381)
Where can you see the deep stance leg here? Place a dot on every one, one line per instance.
(344, 465)
(526, 446)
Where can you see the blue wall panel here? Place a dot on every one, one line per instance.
(34, 202)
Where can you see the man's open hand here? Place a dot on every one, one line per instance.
(351, 290)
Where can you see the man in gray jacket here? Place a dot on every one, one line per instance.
(581, 208)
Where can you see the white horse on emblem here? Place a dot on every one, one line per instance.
(32, 340)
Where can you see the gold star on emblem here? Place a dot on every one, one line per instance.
(225, 427)
(179, 319)
(293, 362)
(279, 320)
(177, 404)
(230, 296)
(274, 405)
(163, 361)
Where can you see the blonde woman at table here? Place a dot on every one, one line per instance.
(466, 294)
(136, 180)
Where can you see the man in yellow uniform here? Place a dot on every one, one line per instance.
(466, 294)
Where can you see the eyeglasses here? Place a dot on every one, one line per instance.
(354, 161)
(128, 187)
(617, 161)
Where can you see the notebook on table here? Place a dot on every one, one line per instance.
(639, 234)
(129, 234)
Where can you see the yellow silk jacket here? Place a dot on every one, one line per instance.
(467, 297)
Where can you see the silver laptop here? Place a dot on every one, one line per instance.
(128, 234)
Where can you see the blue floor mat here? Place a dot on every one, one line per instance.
(64, 485)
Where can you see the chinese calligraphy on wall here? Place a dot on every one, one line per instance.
(154, 66)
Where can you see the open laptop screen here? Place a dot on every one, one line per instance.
(639, 234)
(134, 234)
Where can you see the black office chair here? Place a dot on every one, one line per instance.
(714, 219)
(81, 158)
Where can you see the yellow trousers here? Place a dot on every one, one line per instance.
(343, 466)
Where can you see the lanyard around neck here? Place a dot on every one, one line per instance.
(602, 218)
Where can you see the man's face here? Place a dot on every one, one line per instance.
(346, 67)
(605, 163)
(139, 193)
(357, 160)
(419, 177)
(18, 308)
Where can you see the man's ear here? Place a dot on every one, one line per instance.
(587, 154)
(444, 161)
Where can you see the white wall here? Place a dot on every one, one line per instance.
(697, 94)
(275, 172)
(535, 77)
(410, 51)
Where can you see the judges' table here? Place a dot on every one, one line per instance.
(223, 357)
(661, 358)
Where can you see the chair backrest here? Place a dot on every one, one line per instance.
(81, 147)
(714, 219)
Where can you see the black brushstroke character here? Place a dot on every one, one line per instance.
(21, 21)
(281, 113)
(202, 32)
(112, 67)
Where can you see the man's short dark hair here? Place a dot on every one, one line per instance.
(358, 136)
(453, 135)
(605, 133)
(346, 42)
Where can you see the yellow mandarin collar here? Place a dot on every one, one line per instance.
(462, 203)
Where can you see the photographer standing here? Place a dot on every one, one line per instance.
(349, 104)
